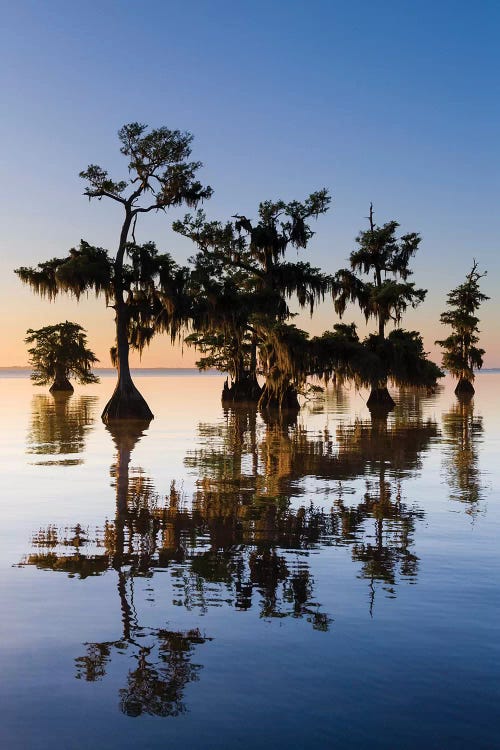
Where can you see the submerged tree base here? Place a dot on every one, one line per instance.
(61, 384)
(284, 400)
(126, 403)
(464, 388)
(380, 400)
(244, 391)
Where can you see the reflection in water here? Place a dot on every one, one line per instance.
(162, 668)
(59, 425)
(250, 480)
(389, 455)
(245, 538)
(162, 658)
(463, 431)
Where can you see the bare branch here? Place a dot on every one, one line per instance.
(104, 194)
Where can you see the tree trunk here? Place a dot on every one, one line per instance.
(126, 401)
(285, 399)
(245, 389)
(61, 382)
(464, 388)
(380, 400)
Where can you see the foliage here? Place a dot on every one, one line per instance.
(339, 356)
(242, 286)
(461, 355)
(145, 288)
(383, 257)
(158, 167)
(60, 349)
(384, 296)
(152, 282)
(400, 357)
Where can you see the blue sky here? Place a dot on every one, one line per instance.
(392, 102)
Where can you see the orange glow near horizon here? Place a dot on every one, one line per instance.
(33, 312)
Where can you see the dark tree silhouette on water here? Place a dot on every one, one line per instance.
(461, 355)
(243, 284)
(143, 286)
(385, 296)
(60, 352)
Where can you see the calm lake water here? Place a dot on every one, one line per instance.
(221, 581)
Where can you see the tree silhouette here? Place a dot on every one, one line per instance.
(385, 296)
(147, 291)
(243, 286)
(461, 355)
(60, 351)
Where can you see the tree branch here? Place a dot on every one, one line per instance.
(99, 193)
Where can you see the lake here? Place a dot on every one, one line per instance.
(220, 580)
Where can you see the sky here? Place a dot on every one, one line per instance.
(393, 102)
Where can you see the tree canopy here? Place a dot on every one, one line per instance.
(385, 296)
(385, 260)
(461, 355)
(142, 285)
(243, 288)
(60, 352)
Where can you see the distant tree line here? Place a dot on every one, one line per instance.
(232, 302)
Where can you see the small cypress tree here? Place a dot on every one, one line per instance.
(60, 351)
(461, 355)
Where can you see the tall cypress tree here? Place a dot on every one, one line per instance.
(384, 295)
(142, 286)
(461, 355)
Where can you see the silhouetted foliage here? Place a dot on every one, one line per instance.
(385, 296)
(145, 288)
(244, 285)
(461, 355)
(60, 352)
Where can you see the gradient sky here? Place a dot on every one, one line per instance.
(393, 102)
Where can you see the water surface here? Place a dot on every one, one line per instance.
(217, 580)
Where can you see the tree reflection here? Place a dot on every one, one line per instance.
(463, 431)
(252, 492)
(162, 658)
(59, 426)
(268, 495)
(391, 452)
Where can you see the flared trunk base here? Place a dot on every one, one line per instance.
(244, 391)
(126, 403)
(286, 400)
(464, 388)
(380, 400)
(61, 384)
